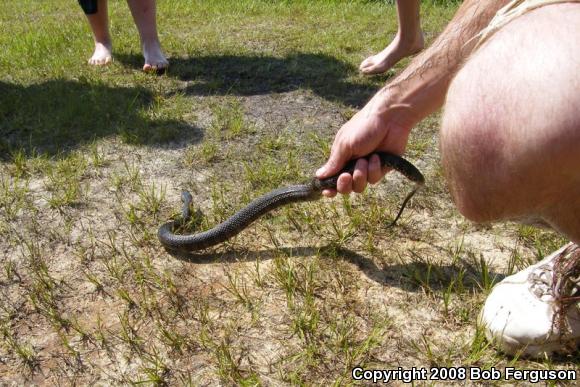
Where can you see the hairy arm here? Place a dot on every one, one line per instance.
(385, 122)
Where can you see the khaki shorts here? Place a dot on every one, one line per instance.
(508, 13)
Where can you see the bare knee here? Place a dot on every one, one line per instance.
(471, 170)
(472, 152)
(509, 137)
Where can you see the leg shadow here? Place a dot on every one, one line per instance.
(247, 75)
(55, 116)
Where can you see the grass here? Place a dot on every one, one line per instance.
(94, 159)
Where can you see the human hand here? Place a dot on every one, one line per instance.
(379, 126)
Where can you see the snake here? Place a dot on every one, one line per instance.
(311, 190)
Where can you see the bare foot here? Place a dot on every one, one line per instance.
(394, 52)
(102, 55)
(155, 61)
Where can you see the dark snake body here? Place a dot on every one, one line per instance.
(270, 201)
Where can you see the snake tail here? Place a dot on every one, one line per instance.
(233, 225)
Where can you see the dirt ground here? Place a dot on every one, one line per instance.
(89, 296)
(302, 296)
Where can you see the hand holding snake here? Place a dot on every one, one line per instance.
(382, 126)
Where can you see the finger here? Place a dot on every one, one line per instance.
(375, 173)
(344, 184)
(329, 193)
(338, 157)
(359, 176)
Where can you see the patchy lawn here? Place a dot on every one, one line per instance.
(94, 159)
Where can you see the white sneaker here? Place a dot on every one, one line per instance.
(536, 312)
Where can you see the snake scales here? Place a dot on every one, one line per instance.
(268, 202)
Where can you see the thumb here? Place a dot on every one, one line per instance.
(336, 161)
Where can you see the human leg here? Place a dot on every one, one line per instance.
(144, 14)
(510, 140)
(511, 132)
(89, 6)
(408, 41)
(99, 22)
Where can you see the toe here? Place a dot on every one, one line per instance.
(370, 70)
(368, 62)
(100, 61)
(156, 68)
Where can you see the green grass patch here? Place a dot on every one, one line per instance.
(92, 160)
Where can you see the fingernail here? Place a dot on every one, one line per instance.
(320, 171)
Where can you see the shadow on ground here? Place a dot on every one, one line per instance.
(413, 276)
(247, 75)
(55, 116)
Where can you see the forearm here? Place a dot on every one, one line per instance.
(421, 88)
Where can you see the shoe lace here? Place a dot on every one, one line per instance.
(560, 283)
(566, 287)
(541, 281)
